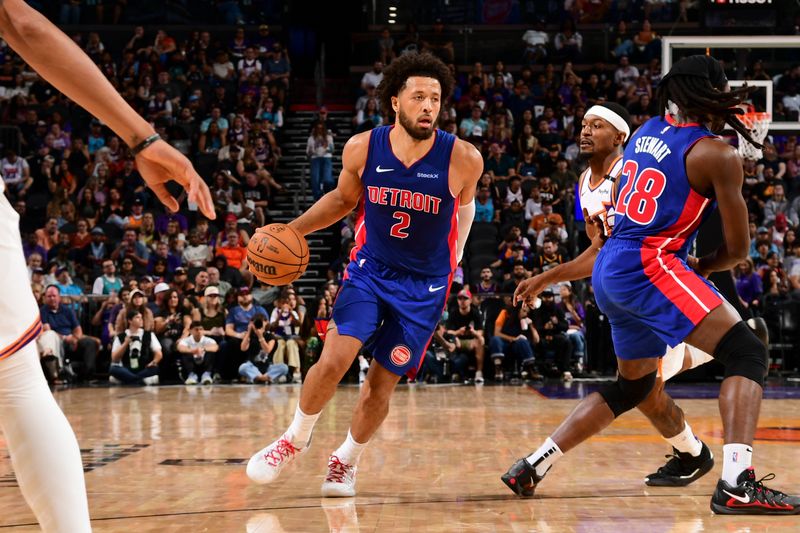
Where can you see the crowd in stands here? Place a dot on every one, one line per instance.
(526, 125)
(141, 295)
(131, 291)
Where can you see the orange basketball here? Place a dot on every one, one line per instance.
(277, 254)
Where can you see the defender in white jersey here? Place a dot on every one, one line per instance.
(604, 130)
(40, 441)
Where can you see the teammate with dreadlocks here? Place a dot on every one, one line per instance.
(655, 295)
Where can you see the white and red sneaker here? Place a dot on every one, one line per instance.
(340, 481)
(266, 465)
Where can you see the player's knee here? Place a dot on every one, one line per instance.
(743, 354)
(625, 394)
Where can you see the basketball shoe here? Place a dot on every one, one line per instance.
(522, 478)
(340, 481)
(682, 469)
(752, 497)
(266, 465)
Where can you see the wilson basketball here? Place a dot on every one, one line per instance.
(277, 254)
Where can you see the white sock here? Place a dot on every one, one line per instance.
(738, 458)
(350, 450)
(302, 426)
(686, 442)
(543, 458)
(34, 426)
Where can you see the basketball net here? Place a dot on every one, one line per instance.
(758, 125)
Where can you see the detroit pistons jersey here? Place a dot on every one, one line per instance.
(656, 204)
(596, 193)
(408, 215)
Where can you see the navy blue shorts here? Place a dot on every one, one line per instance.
(397, 312)
(651, 297)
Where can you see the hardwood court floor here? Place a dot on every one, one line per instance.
(172, 459)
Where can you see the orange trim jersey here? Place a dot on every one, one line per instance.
(598, 197)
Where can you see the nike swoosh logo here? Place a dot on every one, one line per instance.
(431, 288)
(745, 499)
(380, 170)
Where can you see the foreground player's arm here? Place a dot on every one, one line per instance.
(579, 268)
(59, 60)
(339, 202)
(467, 164)
(718, 165)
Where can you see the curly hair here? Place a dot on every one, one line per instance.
(408, 65)
(696, 96)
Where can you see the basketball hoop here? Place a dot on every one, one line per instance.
(758, 125)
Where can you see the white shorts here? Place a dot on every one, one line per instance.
(20, 321)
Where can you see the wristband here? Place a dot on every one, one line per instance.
(136, 150)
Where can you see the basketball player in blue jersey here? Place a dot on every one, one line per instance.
(414, 186)
(655, 295)
(43, 449)
(605, 128)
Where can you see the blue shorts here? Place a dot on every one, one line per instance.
(651, 297)
(394, 313)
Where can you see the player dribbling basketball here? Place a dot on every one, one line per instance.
(415, 187)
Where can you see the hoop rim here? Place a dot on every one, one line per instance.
(753, 117)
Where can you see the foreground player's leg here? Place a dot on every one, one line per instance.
(34, 427)
(320, 386)
(733, 344)
(636, 379)
(372, 408)
(691, 458)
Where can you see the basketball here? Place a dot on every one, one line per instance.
(277, 254)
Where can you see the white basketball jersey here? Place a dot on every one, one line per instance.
(597, 194)
(20, 323)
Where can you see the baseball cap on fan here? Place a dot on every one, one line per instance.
(160, 287)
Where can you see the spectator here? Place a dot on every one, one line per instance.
(386, 47)
(484, 207)
(278, 72)
(625, 76)
(439, 43)
(257, 368)
(198, 355)
(212, 314)
(551, 323)
(233, 252)
(136, 300)
(285, 322)
(16, 174)
(197, 253)
(536, 41)
(549, 258)
(778, 204)
(442, 358)
(62, 336)
(131, 248)
(71, 295)
(48, 236)
(320, 151)
(369, 117)
(465, 324)
(568, 42)
(135, 354)
(514, 337)
(474, 125)
(748, 284)
(487, 285)
(237, 324)
(172, 321)
(533, 206)
(575, 315)
(373, 77)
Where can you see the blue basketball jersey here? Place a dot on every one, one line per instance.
(656, 204)
(407, 216)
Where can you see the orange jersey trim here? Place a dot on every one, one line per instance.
(30, 334)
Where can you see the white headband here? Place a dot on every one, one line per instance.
(612, 118)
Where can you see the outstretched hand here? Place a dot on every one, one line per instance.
(529, 289)
(600, 237)
(160, 163)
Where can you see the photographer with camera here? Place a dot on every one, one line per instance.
(135, 353)
(554, 347)
(258, 343)
(237, 328)
(442, 357)
(198, 353)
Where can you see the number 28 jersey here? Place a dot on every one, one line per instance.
(407, 217)
(656, 205)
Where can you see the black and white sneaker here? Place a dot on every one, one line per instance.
(752, 497)
(522, 478)
(682, 469)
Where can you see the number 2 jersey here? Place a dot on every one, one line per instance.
(407, 218)
(656, 205)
